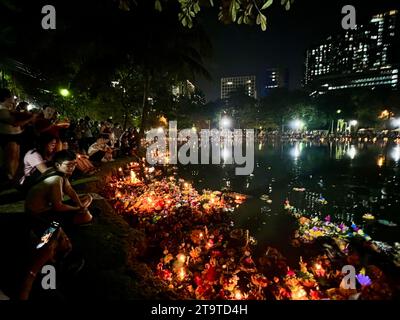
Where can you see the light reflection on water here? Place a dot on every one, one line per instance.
(344, 180)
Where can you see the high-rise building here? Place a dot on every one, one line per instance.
(365, 57)
(276, 78)
(230, 85)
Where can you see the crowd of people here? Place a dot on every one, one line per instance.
(29, 139)
(39, 155)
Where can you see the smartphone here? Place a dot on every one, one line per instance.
(48, 234)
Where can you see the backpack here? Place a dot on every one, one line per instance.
(37, 178)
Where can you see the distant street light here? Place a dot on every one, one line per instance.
(297, 124)
(353, 123)
(338, 111)
(65, 92)
(396, 122)
(225, 122)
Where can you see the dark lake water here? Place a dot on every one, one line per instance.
(354, 179)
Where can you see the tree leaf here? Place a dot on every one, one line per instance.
(196, 7)
(287, 7)
(240, 20)
(263, 22)
(212, 3)
(184, 22)
(249, 9)
(232, 10)
(157, 5)
(258, 20)
(267, 4)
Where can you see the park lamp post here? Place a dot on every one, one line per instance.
(352, 124)
(225, 122)
(297, 124)
(396, 123)
(64, 92)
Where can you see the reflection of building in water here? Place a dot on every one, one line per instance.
(313, 204)
(338, 151)
(310, 202)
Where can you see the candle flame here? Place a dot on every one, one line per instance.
(238, 295)
(182, 274)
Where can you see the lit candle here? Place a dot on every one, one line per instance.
(299, 294)
(133, 177)
(182, 274)
(319, 271)
(238, 295)
(181, 257)
(381, 161)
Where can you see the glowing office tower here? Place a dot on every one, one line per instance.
(365, 57)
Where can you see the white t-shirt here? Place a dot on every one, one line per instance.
(96, 147)
(5, 118)
(32, 159)
(43, 195)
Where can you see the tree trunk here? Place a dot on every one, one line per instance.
(145, 104)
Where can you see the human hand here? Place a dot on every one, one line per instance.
(86, 201)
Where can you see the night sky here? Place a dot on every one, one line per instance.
(245, 50)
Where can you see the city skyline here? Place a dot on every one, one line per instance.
(232, 84)
(241, 50)
(364, 57)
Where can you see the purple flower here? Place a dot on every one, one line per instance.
(363, 280)
(315, 228)
(328, 218)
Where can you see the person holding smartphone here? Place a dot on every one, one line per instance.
(45, 198)
(53, 241)
(25, 247)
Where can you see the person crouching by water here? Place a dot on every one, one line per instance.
(100, 150)
(45, 198)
